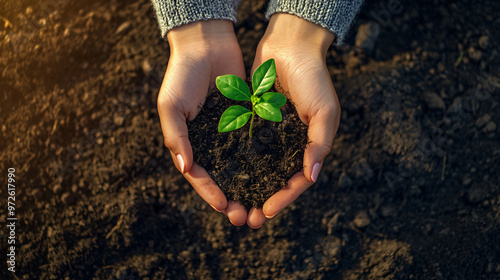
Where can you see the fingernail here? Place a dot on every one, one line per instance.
(180, 160)
(315, 172)
(270, 217)
(255, 227)
(215, 208)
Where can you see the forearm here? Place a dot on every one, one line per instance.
(334, 15)
(172, 13)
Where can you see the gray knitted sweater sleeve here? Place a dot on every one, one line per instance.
(335, 15)
(173, 13)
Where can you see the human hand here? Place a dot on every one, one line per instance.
(199, 52)
(299, 48)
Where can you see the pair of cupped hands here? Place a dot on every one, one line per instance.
(201, 51)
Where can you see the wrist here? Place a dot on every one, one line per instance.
(290, 31)
(200, 34)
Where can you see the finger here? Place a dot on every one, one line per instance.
(257, 61)
(175, 135)
(177, 101)
(206, 187)
(322, 128)
(294, 188)
(236, 67)
(236, 213)
(256, 218)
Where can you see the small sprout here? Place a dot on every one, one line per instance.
(265, 104)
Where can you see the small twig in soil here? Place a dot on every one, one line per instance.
(7, 22)
(115, 183)
(17, 278)
(44, 108)
(405, 199)
(117, 226)
(492, 222)
(51, 133)
(28, 161)
(294, 154)
(376, 234)
(459, 59)
(444, 166)
(43, 266)
(54, 127)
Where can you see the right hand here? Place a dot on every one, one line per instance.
(199, 52)
(299, 48)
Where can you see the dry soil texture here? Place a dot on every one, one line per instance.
(410, 189)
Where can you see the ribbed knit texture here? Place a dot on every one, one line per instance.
(334, 15)
(173, 13)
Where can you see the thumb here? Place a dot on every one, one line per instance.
(175, 135)
(257, 61)
(322, 128)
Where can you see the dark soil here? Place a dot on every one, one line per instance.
(248, 170)
(410, 189)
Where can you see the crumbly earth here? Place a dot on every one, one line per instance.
(410, 189)
(248, 170)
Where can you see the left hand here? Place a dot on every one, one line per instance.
(200, 51)
(299, 48)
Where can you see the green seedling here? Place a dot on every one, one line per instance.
(265, 104)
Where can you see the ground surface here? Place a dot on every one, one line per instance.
(410, 189)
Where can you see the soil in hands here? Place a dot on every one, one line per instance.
(248, 170)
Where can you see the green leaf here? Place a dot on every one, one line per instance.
(233, 87)
(233, 118)
(263, 78)
(275, 98)
(268, 112)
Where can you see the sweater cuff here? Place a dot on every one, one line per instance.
(334, 15)
(173, 13)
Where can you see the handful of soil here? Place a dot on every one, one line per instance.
(248, 170)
